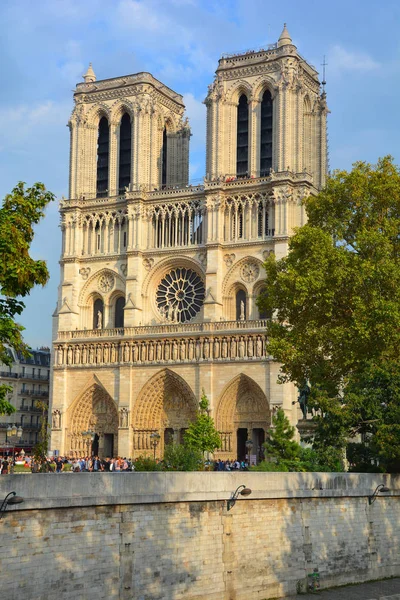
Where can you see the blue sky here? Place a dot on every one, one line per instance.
(46, 46)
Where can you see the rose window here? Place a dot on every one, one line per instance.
(180, 295)
(106, 282)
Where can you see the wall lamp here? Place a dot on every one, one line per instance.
(380, 488)
(11, 498)
(242, 490)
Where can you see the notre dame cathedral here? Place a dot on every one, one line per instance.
(159, 278)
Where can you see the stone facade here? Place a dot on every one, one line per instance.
(159, 279)
(160, 536)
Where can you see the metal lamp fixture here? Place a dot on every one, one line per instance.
(241, 490)
(155, 438)
(381, 488)
(11, 498)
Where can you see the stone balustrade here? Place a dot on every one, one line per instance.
(164, 328)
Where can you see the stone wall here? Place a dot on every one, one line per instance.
(169, 536)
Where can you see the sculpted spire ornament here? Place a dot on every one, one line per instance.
(89, 76)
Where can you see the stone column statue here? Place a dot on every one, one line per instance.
(99, 319)
(242, 311)
(56, 419)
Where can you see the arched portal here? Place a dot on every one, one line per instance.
(243, 413)
(165, 405)
(94, 411)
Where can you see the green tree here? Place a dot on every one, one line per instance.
(336, 305)
(280, 443)
(41, 449)
(201, 434)
(19, 273)
(283, 453)
(336, 296)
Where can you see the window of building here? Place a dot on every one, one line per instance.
(125, 153)
(266, 134)
(98, 314)
(102, 158)
(241, 305)
(164, 159)
(119, 312)
(242, 145)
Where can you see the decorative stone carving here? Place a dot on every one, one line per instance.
(124, 269)
(56, 419)
(106, 282)
(250, 271)
(229, 259)
(148, 263)
(123, 418)
(85, 272)
(203, 259)
(267, 253)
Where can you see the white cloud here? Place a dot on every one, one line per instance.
(140, 16)
(341, 60)
(26, 122)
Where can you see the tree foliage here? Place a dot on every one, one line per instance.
(336, 296)
(336, 305)
(19, 272)
(41, 448)
(280, 443)
(283, 453)
(202, 434)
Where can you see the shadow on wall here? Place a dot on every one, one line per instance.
(197, 550)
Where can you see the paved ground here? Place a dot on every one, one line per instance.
(389, 589)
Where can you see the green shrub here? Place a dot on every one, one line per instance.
(145, 463)
(178, 457)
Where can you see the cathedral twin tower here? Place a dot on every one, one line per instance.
(159, 278)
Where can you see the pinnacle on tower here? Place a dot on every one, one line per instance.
(89, 76)
(284, 38)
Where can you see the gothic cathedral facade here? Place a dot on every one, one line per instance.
(159, 278)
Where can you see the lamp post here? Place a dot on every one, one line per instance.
(14, 434)
(155, 439)
(89, 436)
(249, 445)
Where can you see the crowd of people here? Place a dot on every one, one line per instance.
(95, 464)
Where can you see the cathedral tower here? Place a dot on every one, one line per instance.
(159, 279)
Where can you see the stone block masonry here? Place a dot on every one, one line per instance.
(169, 536)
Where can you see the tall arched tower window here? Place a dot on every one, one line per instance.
(242, 145)
(125, 153)
(102, 158)
(119, 312)
(164, 158)
(307, 134)
(266, 134)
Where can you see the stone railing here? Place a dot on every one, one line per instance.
(163, 328)
(162, 350)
